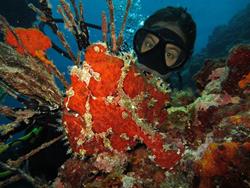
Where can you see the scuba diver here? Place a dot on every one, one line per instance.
(165, 42)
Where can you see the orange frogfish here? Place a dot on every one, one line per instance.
(110, 107)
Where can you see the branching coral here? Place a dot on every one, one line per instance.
(27, 72)
(25, 41)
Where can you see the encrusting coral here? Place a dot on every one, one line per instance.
(31, 40)
(223, 160)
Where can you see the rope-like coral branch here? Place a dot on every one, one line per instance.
(10, 180)
(76, 26)
(33, 152)
(20, 116)
(35, 182)
(6, 25)
(75, 9)
(45, 15)
(104, 27)
(120, 36)
(112, 24)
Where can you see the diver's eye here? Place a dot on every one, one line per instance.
(149, 42)
(171, 58)
(172, 53)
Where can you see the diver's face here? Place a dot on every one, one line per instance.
(160, 48)
(172, 52)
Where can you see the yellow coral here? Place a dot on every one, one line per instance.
(210, 164)
(236, 119)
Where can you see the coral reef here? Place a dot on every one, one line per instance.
(221, 164)
(221, 40)
(21, 78)
(237, 82)
(121, 128)
(214, 127)
(227, 120)
(223, 37)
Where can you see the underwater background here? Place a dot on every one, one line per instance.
(208, 16)
(206, 125)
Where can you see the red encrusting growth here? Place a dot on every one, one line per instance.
(111, 107)
(245, 81)
(219, 160)
(31, 39)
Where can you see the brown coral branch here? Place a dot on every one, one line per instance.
(7, 111)
(70, 17)
(21, 159)
(112, 25)
(120, 36)
(71, 24)
(8, 89)
(35, 182)
(75, 9)
(51, 67)
(79, 55)
(6, 25)
(28, 77)
(41, 15)
(7, 130)
(20, 116)
(104, 27)
(10, 180)
(45, 15)
(66, 46)
(60, 76)
(77, 27)
(66, 21)
(81, 11)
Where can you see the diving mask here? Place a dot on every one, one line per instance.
(160, 49)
